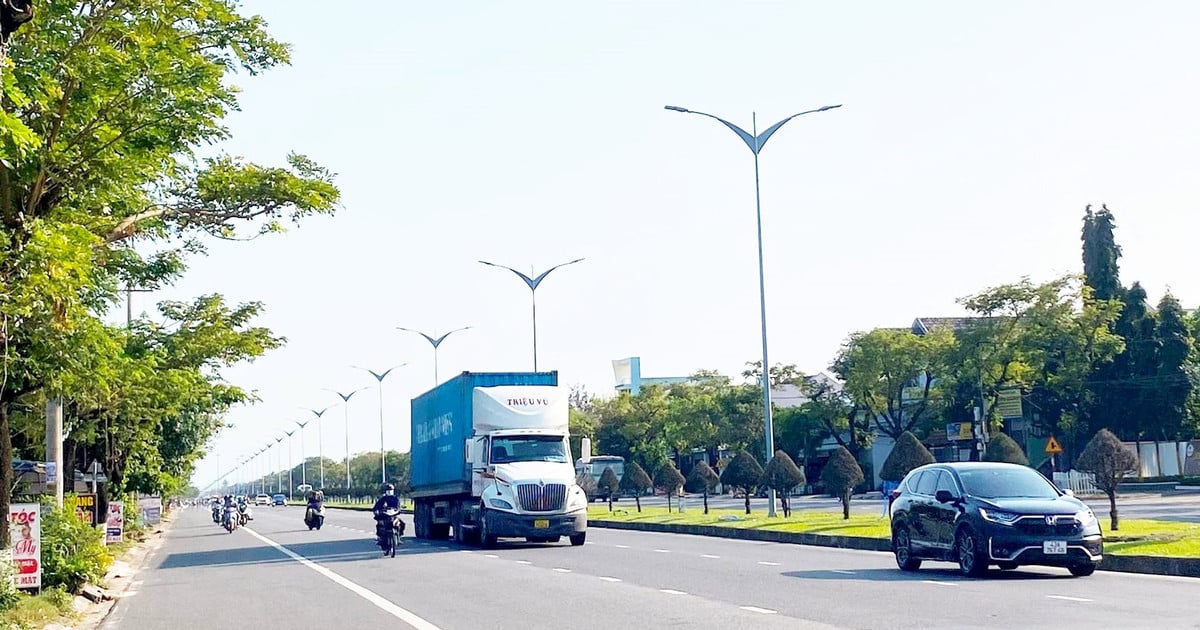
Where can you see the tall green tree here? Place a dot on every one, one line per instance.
(1101, 254)
(1176, 372)
(104, 104)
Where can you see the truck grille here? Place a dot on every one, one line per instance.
(538, 498)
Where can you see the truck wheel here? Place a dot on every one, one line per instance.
(578, 539)
(487, 539)
(440, 531)
(421, 520)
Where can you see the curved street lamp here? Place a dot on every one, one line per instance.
(303, 459)
(533, 283)
(435, 342)
(756, 141)
(291, 484)
(346, 406)
(320, 442)
(379, 376)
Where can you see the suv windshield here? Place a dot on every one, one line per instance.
(1006, 483)
(528, 448)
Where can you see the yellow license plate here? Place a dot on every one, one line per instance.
(541, 523)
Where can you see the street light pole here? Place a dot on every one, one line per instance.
(320, 443)
(379, 379)
(756, 141)
(278, 467)
(291, 484)
(533, 283)
(303, 461)
(346, 406)
(435, 342)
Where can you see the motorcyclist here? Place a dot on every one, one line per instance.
(383, 522)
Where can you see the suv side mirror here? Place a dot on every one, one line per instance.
(945, 496)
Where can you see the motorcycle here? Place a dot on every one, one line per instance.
(244, 514)
(232, 518)
(216, 513)
(389, 528)
(314, 518)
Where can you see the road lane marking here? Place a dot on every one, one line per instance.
(765, 611)
(842, 571)
(768, 564)
(610, 579)
(936, 583)
(563, 570)
(523, 562)
(671, 591)
(490, 555)
(1069, 599)
(705, 555)
(465, 551)
(385, 605)
(621, 546)
(662, 551)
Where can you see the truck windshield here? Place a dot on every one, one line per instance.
(528, 448)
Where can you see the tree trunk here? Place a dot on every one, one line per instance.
(787, 507)
(846, 505)
(1112, 510)
(1137, 444)
(747, 500)
(706, 501)
(609, 501)
(6, 473)
(1179, 458)
(637, 498)
(668, 503)
(1158, 458)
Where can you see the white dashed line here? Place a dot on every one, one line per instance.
(610, 579)
(465, 551)
(1069, 599)
(936, 583)
(671, 591)
(710, 557)
(765, 611)
(490, 555)
(523, 562)
(842, 571)
(621, 546)
(768, 564)
(563, 570)
(662, 551)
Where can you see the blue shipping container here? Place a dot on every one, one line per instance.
(442, 423)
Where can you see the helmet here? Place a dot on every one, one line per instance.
(387, 487)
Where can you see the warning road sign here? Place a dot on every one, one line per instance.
(1053, 447)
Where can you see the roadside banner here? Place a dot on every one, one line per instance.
(84, 506)
(150, 509)
(25, 529)
(114, 525)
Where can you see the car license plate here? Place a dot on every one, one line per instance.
(1057, 547)
(542, 523)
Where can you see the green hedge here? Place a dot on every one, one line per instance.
(73, 552)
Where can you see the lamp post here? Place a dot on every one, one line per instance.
(533, 285)
(346, 406)
(266, 465)
(303, 461)
(278, 467)
(379, 376)
(435, 342)
(291, 484)
(756, 141)
(320, 444)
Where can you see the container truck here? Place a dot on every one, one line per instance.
(491, 459)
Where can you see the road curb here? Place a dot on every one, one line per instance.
(1151, 565)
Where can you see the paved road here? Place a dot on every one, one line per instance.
(336, 578)
(1170, 507)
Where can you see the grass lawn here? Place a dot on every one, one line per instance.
(1136, 537)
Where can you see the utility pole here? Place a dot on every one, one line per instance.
(129, 291)
(54, 442)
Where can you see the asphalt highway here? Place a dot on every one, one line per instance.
(278, 574)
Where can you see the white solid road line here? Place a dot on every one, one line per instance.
(936, 583)
(765, 611)
(406, 616)
(1070, 599)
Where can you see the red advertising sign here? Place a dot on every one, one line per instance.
(25, 529)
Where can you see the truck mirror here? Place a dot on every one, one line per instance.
(467, 451)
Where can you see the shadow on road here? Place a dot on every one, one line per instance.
(941, 575)
(324, 552)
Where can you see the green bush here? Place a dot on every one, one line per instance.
(908, 454)
(742, 472)
(9, 595)
(72, 551)
(637, 481)
(840, 474)
(1002, 448)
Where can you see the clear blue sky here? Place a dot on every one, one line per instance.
(970, 139)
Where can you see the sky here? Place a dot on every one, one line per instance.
(970, 139)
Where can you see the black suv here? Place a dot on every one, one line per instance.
(979, 514)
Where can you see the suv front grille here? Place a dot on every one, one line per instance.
(1062, 525)
(537, 498)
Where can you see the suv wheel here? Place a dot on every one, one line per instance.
(971, 562)
(1082, 570)
(902, 547)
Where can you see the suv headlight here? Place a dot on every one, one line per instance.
(997, 516)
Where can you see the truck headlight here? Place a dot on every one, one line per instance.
(500, 504)
(578, 498)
